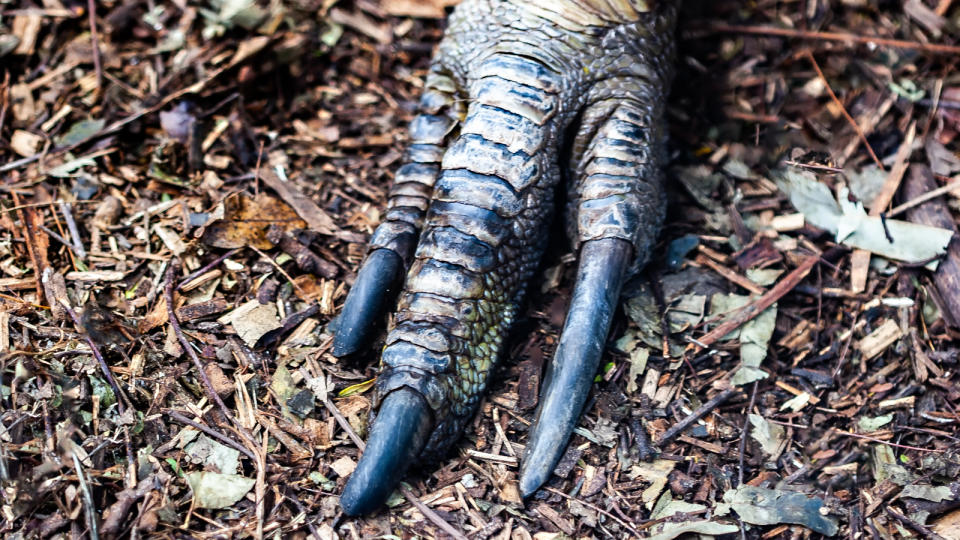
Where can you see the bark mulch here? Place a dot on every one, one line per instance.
(187, 189)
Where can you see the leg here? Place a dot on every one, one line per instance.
(616, 212)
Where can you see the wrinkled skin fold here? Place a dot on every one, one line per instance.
(522, 97)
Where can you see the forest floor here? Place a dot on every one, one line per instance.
(226, 162)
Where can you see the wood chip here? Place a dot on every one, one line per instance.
(16, 284)
(343, 466)
(708, 446)
(789, 222)
(4, 331)
(650, 383)
(564, 525)
(25, 143)
(95, 276)
(26, 28)
(202, 309)
(881, 338)
(900, 403)
(859, 269)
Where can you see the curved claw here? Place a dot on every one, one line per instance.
(399, 434)
(603, 264)
(366, 300)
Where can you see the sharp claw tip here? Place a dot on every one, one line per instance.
(353, 505)
(529, 484)
(341, 349)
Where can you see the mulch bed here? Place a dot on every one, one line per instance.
(186, 192)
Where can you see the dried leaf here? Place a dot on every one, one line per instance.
(215, 490)
(769, 435)
(761, 506)
(241, 221)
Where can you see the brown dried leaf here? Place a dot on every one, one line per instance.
(241, 221)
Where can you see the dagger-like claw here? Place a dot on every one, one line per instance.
(375, 284)
(398, 435)
(603, 264)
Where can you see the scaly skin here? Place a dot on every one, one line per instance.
(521, 96)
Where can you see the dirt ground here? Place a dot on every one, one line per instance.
(187, 189)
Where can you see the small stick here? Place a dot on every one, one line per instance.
(701, 411)
(211, 432)
(743, 432)
(932, 194)
(65, 209)
(88, 508)
(850, 120)
(92, 12)
(96, 354)
(913, 525)
(598, 509)
(175, 324)
(748, 312)
(760, 30)
(344, 424)
(206, 268)
(888, 443)
(306, 519)
(431, 515)
(70, 245)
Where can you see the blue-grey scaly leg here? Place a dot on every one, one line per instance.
(529, 70)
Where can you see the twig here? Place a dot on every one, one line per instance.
(743, 433)
(206, 268)
(598, 509)
(843, 109)
(104, 368)
(701, 411)
(56, 236)
(431, 515)
(344, 424)
(892, 183)
(94, 42)
(815, 166)
(175, 325)
(932, 194)
(306, 516)
(754, 309)
(211, 432)
(910, 524)
(848, 37)
(888, 443)
(88, 508)
(280, 270)
(65, 209)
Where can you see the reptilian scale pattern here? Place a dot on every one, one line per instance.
(514, 85)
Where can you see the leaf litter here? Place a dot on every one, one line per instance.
(248, 146)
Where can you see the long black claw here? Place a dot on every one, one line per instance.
(375, 282)
(600, 277)
(399, 434)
